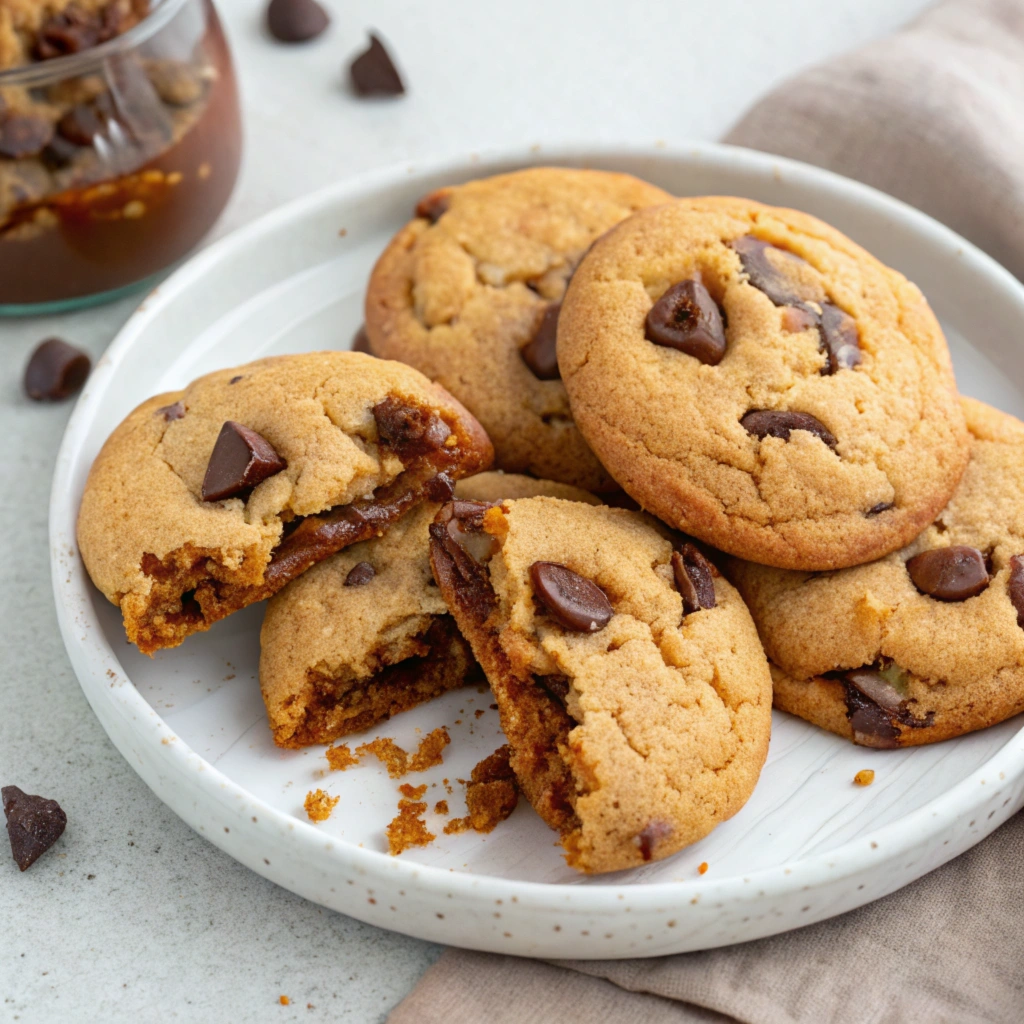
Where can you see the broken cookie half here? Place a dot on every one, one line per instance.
(206, 500)
(637, 716)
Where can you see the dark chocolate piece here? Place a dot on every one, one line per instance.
(55, 371)
(360, 574)
(80, 125)
(780, 423)
(1015, 587)
(765, 267)
(688, 319)
(409, 430)
(840, 338)
(882, 506)
(374, 73)
(296, 21)
(34, 824)
(573, 601)
(694, 578)
(171, 412)
(434, 206)
(240, 460)
(949, 574)
(539, 352)
(649, 837)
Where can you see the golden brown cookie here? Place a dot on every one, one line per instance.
(631, 685)
(468, 293)
(757, 380)
(494, 485)
(365, 634)
(206, 500)
(926, 643)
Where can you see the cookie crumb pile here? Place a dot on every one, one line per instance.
(644, 466)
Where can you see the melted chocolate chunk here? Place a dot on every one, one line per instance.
(650, 835)
(34, 824)
(22, 135)
(949, 574)
(296, 21)
(453, 538)
(572, 600)
(694, 578)
(71, 31)
(779, 423)
(877, 706)
(1015, 587)
(539, 352)
(872, 726)
(882, 506)
(440, 488)
(374, 73)
(361, 342)
(409, 430)
(557, 686)
(55, 371)
(765, 267)
(840, 339)
(687, 319)
(360, 574)
(240, 460)
(171, 412)
(434, 206)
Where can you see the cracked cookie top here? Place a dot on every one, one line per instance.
(637, 720)
(468, 293)
(207, 499)
(931, 635)
(754, 378)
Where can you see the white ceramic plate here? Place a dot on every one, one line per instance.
(808, 845)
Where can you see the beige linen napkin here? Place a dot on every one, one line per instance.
(935, 116)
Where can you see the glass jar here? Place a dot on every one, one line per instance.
(115, 160)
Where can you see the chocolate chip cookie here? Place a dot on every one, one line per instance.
(206, 500)
(756, 379)
(469, 293)
(631, 685)
(365, 634)
(926, 643)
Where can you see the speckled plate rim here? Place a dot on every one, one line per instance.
(252, 831)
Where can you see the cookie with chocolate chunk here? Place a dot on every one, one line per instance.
(926, 643)
(209, 499)
(469, 292)
(629, 678)
(365, 633)
(756, 379)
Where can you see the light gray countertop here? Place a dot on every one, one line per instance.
(132, 916)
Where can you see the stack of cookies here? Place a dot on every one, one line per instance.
(676, 394)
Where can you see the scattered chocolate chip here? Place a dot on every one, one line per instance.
(779, 423)
(882, 506)
(949, 574)
(55, 371)
(171, 412)
(34, 824)
(434, 206)
(798, 318)
(235, 379)
(1016, 587)
(694, 578)
(840, 339)
(360, 574)
(574, 601)
(296, 21)
(373, 72)
(687, 318)
(409, 429)
(539, 352)
(649, 837)
(361, 342)
(765, 267)
(240, 460)
(80, 125)
(22, 135)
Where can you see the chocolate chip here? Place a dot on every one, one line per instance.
(876, 687)
(171, 412)
(557, 686)
(55, 371)
(22, 135)
(882, 506)
(539, 352)
(434, 206)
(872, 725)
(296, 21)
(779, 423)
(240, 460)
(58, 153)
(694, 579)
(949, 574)
(373, 72)
(439, 488)
(840, 339)
(80, 125)
(649, 837)
(360, 574)
(71, 31)
(34, 824)
(1016, 587)
(686, 318)
(457, 545)
(765, 266)
(361, 342)
(409, 429)
(574, 601)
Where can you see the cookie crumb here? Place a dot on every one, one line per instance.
(412, 792)
(491, 795)
(864, 777)
(340, 758)
(284, 1000)
(703, 868)
(408, 828)
(319, 805)
(441, 807)
(479, 713)
(398, 762)
(447, 787)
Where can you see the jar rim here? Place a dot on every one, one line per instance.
(47, 72)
